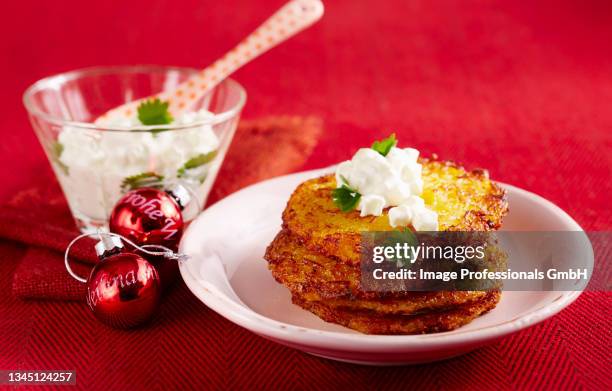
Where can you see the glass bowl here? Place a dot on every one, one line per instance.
(96, 165)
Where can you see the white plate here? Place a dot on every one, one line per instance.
(228, 273)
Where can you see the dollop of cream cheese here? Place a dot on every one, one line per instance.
(393, 181)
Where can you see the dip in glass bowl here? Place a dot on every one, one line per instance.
(95, 165)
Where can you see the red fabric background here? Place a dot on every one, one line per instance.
(523, 89)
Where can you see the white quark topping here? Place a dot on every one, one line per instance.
(393, 181)
(371, 204)
(131, 153)
(97, 162)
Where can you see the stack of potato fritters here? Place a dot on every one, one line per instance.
(317, 254)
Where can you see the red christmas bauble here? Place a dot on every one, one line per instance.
(148, 216)
(123, 290)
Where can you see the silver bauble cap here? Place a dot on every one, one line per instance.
(180, 194)
(108, 243)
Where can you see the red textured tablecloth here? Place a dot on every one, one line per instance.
(524, 89)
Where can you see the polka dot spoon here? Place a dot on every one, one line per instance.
(293, 17)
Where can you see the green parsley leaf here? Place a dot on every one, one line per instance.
(407, 236)
(197, 161)
(384, 146)
(344, 180)
(400, 236)
(56, 151)
(345, 198)
(145, 179)
(154, 112)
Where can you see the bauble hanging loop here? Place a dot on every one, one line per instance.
(123, 288)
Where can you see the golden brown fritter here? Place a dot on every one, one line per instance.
(317, 254)
(316, 277)
(373, 323)
(464, 201)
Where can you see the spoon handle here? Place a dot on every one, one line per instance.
(290, 19)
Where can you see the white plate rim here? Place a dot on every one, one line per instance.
(245, 317)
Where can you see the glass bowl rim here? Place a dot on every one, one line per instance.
(63, 77)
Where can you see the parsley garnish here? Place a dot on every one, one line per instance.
(400, 236)
(197, 161)
(145, 179)
(384, 146)
(154, 112)
(407, 236)
(56, 151)
(345, 197)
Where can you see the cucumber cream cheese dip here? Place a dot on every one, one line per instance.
(388, 178)
(95, 167)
